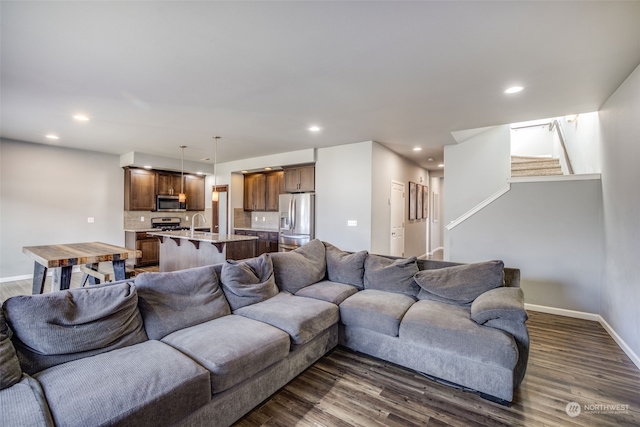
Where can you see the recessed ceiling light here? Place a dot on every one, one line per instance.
(441, 165)
(52, 136)
(514, 89)
(315, 128)
(430, 159)
(417, 149)
(81, 118)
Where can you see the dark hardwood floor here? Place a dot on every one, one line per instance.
(571, 360)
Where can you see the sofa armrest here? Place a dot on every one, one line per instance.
(500, 303)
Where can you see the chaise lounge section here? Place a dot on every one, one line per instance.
(206, 345)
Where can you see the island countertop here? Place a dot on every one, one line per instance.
(202, 236)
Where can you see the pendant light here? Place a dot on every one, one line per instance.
(182, 198)
(215, 194)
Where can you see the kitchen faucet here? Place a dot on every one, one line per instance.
(193, 221)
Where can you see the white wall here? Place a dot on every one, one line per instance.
(388, 166)
(437, 228)
(551, 231)
(46, 195)
(582, 139)
(343, 192)
(533, 141)
(620, 177)
(475, 169)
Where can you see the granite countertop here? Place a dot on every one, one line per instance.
(148, 230)
(203, 236)
(270, 230)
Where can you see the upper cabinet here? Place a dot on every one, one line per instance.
(139, 190)
(299, 179)
(262, 191)
(141, 187)
(169, 183)
(194, 189)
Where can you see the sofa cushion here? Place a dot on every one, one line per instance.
(499, 303)
(148, 384)
(460, 284)
(249, 281)
(449, 328)
(303, 267)
(10, 370)
(232, 348)
(391, 275)
(302, 318)
(57, 327)
(375, 310)
(345, 267)
(179, 299)
(328, 291)
(24, 404)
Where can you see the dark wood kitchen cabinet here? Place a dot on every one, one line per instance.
(194, 189)
(262, 191)
(169, 183)
(139, 190)
(267, 240)
(148, 245)
(299, 179)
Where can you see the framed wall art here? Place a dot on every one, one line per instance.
(419, 202)
(425, 202)
(413, 198)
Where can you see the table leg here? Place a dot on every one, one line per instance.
(119, 270)
(39, 277)
(65, 277)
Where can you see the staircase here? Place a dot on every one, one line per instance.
(535, 166)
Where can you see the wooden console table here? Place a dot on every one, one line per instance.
(64, 257)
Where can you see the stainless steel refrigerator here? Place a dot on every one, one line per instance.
(297, 220)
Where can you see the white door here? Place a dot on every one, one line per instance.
(397, 203)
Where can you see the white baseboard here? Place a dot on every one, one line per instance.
(618, 339)
(75, 269)
(593, 317)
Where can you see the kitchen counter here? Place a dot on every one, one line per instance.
(180, 249)
(270, 230)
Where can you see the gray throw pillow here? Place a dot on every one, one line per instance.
(461, 284)
(61, 326)
(345, 267)
(10, 370)
(391, 275)
(178, 299)
(300, 268)
(248, 282)
(499, 303)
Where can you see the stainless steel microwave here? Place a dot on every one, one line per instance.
(166, 203)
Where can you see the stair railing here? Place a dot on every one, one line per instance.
(554, 125)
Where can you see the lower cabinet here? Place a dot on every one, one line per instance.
(267, 240)
(148, 245)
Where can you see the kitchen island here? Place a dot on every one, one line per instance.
(184, 249)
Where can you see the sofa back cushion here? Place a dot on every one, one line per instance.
(460, 284)
(179, 299)
(345, 267)
(57, 327)
(303, 267)
(391, 275)
(10, 370)
(249, 281)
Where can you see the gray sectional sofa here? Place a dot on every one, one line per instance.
(206, 345)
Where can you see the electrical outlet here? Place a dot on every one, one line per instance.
(264, 218)
(352, 223)
(141, 219)
(90, 220)
(256, 219)
(186, 218)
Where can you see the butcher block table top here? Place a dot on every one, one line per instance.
(69, 254)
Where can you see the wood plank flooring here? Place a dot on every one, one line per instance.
(571, 360)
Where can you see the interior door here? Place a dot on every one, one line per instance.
(397, 218)
(219, 222)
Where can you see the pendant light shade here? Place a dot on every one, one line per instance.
(182, 198)
(215, 194)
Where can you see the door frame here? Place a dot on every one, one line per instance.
(215, 215)
(391, 207)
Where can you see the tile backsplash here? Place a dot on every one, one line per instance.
(132, 219)
(244, 219)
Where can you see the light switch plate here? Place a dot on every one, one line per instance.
(90, 220)
(352, 223)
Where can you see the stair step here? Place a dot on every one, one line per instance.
(537, 172)
(548, 164)
(520, 159)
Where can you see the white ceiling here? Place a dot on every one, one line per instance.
(156, 75)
